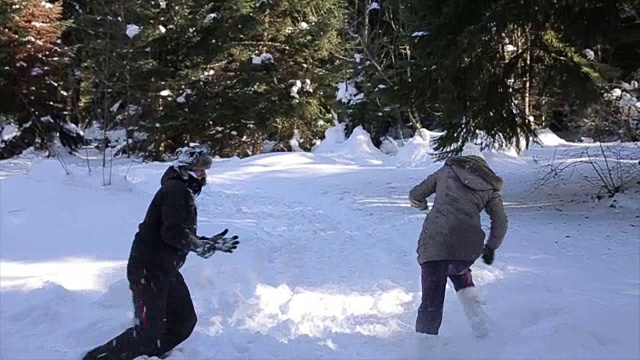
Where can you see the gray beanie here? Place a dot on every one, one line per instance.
(192, 158)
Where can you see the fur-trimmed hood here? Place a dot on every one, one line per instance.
(475, 173)
(464, 187)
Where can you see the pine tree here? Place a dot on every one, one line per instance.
(35, 88)
(495, 67)
(119, 73)
(380, 61)
(8, 13)
(249, 72)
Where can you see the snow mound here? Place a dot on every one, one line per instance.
(51, 293)
(389, 146)
(547, 137)
(333, 137)
(28, 307)
(417, 151)
(118, 295)
(357, 149)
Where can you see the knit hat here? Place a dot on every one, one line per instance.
(192, 158)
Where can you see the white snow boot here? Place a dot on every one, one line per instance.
(472, 304)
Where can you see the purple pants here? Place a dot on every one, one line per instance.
(434, 285)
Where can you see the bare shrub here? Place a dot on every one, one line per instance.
(611, 168)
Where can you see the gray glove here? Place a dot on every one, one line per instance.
(207, 246)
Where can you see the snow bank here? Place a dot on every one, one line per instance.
(417, 151)
(72, 273)
(357, 149)
(333, 137)
(547, 137)
(389, 146)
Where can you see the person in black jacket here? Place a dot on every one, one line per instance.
(164, 313)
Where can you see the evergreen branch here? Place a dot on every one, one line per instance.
(373, 61)
(268, 43)
(341, 57)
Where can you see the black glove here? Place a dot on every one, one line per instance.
(223, 243)
(421, 205)
(487, 255)
(205, 247)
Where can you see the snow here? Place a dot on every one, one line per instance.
(296, 85)
(326, 267)
(263, 58)
(132, 30)
(115, 106)
(418, 150)
(211, 17)
(295, 141)
(95, 131)
(546, 137)
(72, 129)
(183, 98)
(348, 94)
(8, 131)
(357, 149)
(333, 137)
(589, 54)
(615, 93)
(509, 48)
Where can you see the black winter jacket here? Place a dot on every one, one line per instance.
(166, 234)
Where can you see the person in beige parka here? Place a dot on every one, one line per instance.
(452, 238)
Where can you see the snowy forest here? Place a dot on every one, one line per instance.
(279, 179)
(252, 76)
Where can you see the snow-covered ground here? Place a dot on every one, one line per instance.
(326, 267)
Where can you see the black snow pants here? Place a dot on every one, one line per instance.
(434, 285)
(164, 318)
